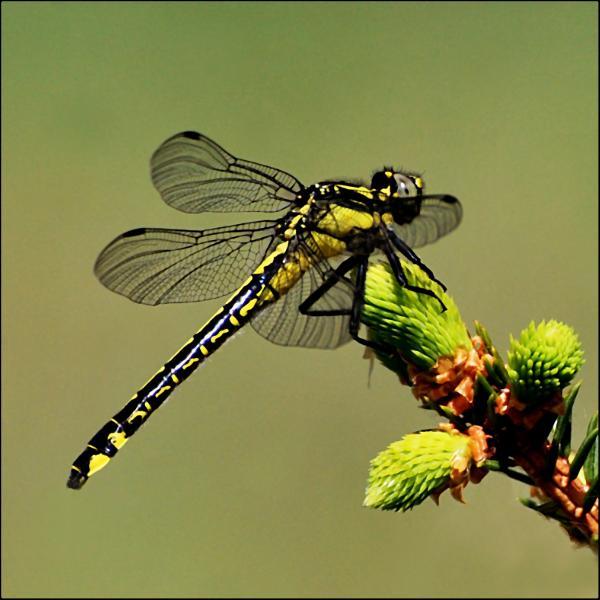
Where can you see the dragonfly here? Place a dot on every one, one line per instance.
(298, 278)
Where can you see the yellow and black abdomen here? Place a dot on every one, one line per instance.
(255, 294)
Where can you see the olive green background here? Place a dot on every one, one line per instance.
(250, 481)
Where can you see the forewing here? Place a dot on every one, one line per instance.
(438, 216)
(160, 266)
(194, 174)
(282, 323)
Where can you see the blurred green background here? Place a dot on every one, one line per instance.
(251, 481)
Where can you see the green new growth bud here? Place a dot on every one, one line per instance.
(590, 466)
(412, 322)
(543, 361)
(409, 470)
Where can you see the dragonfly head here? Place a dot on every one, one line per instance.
(399, 191)
(394, 184)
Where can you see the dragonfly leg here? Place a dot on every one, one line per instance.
(357, 305)
(401, 277)
(360, 262)
(332, 280)
(411, 255)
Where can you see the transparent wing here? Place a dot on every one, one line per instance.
(194, 174)
(438, 216)
(282, 323)
(160, 266)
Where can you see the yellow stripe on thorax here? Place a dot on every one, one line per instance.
(299, 261)
(365, 191)
(341, 221)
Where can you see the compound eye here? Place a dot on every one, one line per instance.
(406, 186)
